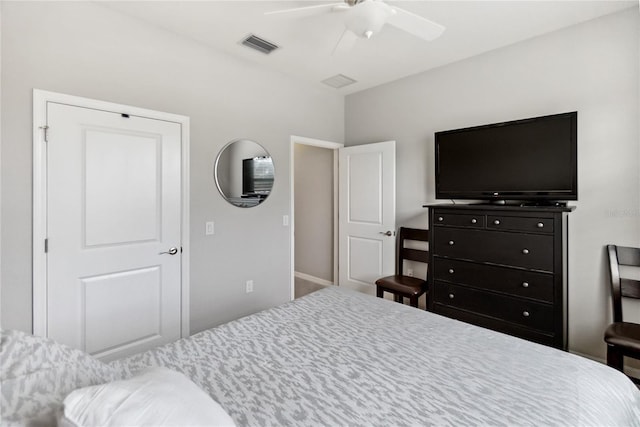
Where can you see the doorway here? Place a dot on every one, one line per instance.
(363, 226)
(314, 206)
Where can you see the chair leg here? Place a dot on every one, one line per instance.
(398, 298)
(379, 292)
(413, 301)
(615, 358)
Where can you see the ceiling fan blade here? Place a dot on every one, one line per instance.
(415, 24)
(310, 10)
(346, 42)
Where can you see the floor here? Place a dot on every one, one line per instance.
(304, 287)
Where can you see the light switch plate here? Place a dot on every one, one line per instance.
(209, 228)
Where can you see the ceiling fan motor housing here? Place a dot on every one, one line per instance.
(367, 18)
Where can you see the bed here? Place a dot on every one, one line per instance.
(342, 358)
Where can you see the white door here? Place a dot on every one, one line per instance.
(113, 209)
(367, 217)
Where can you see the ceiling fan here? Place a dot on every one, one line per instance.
(365, 18)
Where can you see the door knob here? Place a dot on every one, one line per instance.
(387, 233)
(171, 251)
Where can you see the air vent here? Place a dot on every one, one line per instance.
(259, 44)
(338, 81)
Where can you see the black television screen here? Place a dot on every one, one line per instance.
(257, 176)
(530, 159)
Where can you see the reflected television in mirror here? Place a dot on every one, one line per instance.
(257, 176)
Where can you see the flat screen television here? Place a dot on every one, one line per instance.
(257, 176)
(533, 159)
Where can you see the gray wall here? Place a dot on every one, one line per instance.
(83, 49)
(592, 68)
(313, 183)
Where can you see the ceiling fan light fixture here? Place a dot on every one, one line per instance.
(367, 18)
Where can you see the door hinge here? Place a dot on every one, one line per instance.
(45, 130)
(46, 245)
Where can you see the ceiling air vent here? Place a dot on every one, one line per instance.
(338, 81)
(261, 45)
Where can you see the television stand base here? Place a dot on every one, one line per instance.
(529, 203)
(497, 202)
(545, 203)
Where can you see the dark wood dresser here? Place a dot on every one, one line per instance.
(501, 267)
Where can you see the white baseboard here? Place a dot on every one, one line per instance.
(313, 279)
(634, 372)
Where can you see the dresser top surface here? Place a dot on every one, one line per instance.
(495, 207)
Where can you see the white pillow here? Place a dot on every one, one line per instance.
(154, 397)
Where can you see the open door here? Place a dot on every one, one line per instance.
(367, 215)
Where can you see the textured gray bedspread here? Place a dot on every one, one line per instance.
(340, 358)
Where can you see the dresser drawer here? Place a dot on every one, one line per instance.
(515, 223)
(459, 220)
(550, 338)
(511, 309)
(522, 283)
(534, 251)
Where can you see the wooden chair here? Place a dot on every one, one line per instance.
(622, 338)
(399, 285)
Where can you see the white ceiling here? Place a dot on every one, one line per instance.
(306, 42)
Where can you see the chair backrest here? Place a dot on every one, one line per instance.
(622, 286)
(404, 253)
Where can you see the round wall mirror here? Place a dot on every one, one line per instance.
(244, 173)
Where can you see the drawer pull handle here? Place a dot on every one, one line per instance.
(525, 284)
(451, 242)
(525, 314)
(525, 251)
(473, 221)
(540, 225)
(451, 296)
(440, 218)
(496, 222)
(451, 271)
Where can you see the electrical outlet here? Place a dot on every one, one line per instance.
(209, 228)
(285, 220)
(410, 272)
(249, 286)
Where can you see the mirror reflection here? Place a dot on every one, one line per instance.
(244, 173)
